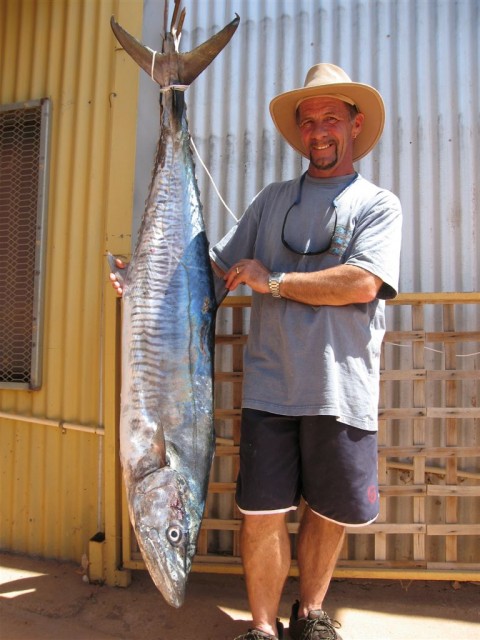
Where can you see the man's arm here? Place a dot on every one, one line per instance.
(337, 286)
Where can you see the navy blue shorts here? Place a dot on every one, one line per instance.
(333, 466)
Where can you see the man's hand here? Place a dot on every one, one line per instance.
(116, 283)
(250, 272)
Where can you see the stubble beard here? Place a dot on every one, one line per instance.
(323, 165)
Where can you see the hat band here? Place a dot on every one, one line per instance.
(338, 96)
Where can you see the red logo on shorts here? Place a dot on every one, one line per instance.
(372, 494)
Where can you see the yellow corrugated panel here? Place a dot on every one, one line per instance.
(52, 482)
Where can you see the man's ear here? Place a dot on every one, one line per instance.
(357, 124)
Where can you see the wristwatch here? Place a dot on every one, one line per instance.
(274, 280)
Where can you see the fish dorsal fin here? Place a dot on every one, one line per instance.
(171, 69)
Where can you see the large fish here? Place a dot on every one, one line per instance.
(167, 438)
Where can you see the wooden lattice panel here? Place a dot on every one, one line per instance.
(429, 453)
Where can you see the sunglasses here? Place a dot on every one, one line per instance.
(287, 245)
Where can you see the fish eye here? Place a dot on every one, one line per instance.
(174, 534)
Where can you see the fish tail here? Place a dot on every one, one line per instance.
(171, 69)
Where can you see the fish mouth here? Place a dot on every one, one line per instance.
(169, 574)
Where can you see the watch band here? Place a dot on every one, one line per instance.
(274, 280)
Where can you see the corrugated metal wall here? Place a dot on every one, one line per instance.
(422, 55)
(52, 478)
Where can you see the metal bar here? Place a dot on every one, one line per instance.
(59, 424)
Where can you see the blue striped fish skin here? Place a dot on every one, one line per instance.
(167, 438)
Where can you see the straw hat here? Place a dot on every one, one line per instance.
(327, 79)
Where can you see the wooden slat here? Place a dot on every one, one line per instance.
(451, 424)
(453, 529)
(454, 375)
(392, 452)
(419, 400)
(394, 374)
(404, 336)
(233, 339)
(221, 487)
(238, 328)
(398, 413)
(403, 374)
(386, 490)
(403, 299)
(380, 539)
(434, 470)
(227, 414)
(227, 450)
(409, 490)
(228, 376)
(412, 299)
(452, 336)
(387, 528)
(457, 490)
(454, 412)
(429, 452)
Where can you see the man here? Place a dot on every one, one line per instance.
(321, 253)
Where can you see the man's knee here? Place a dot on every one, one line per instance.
(261, 524)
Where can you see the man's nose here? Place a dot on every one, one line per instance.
(318, 130)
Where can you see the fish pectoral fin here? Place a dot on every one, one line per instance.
(153, 460)
(171, 454)
(120, 273)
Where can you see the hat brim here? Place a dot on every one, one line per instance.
(366, 98)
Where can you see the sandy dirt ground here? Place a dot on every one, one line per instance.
(42, 600)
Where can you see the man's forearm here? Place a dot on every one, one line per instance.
(336, 286)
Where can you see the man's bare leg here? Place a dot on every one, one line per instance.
(266, 555)
(319, 545)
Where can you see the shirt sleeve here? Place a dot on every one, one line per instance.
(376, 242)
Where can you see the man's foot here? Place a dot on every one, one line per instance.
(317, 626)
(256, 634)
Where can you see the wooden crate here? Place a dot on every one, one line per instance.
(429, 453)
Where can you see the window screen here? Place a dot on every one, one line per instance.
(23, 162)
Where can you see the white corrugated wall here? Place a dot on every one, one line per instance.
(422, 55)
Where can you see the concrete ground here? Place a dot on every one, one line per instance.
(42, 600)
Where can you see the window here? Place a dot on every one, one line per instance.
(23, 179)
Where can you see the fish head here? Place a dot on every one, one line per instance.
(166, 526)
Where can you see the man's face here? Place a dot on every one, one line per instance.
(328, 130)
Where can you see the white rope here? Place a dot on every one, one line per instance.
(152, 68)
(177, 87)
(212, 181)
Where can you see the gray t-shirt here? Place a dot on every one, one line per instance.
(324, 360)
